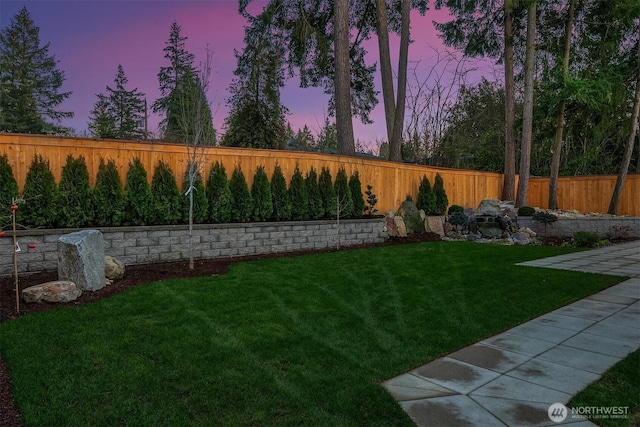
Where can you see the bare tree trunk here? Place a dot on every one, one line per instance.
(509, 184)
(557, 150)
(385, 67)
(626, 160)
(395, 144)
(342, 79)
(527, 117)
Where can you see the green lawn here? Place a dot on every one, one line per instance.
(290, 341)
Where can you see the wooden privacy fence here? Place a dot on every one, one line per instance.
(391, 181)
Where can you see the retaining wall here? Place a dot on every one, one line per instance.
(143, 245)
(605, 227)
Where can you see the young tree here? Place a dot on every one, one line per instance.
(138, 199)
(108, 196)
(343, 194)
(356, 194)
(261, 196)
(194, 203)
(29, 80)
(76, 207)
(41, 193)
(298, 196)
(242, 205)
(426, 198)
(280, 196)
(327, 194)
(219, 194)
(164, 196)
(316, 210)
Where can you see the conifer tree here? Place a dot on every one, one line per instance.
(316, 209)
(29, 80)
(8, 187)
(441, 199)
(327, 194)
(356, 194)
(261, 196)
(137, 195)
(280, 196)
(219, 195)
(299, 197)
(344, 201)
(165, 196)
(426, 199)
(75, 202)
(108, 196)
(242, 205)
(41, 194)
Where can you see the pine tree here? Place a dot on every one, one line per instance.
(102, 122)
(108, 196)
(280, 196)
(76, 207)
(261, 196)
(29, 81)
(327, 194)
(316, 211)
(356, 194)
(41, 194)
(219, 195)
(242, 205)
(165, 196)
(137, 195)
(298, 196)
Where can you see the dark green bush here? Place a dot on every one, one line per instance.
(585, 239)
(138, 200)
(356, 194)
(426, 197)
(41, 208)
(165, 196)
(544, 217)
(200, 202)
(261, 196)
(8, 188)
(298, 196)
(75, 202)
(316, 209)
(454, 209)
(219, 195)
(440, 195)
(526, 211)
(280, 196)
(108, 196)
(458, 218)
(327, 194)
(372, 200)
(343, 194)
(242, 205)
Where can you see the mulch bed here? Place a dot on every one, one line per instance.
(135, 275)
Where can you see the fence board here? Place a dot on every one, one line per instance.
(391, 181)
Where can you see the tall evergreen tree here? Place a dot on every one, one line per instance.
(8, 187)
(29, 80)
(42, 205)
(108, 196)
(102, 122)
(316, 210)
(138, 199)
(298, 196)
(219, 194)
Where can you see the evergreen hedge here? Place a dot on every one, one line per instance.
(298, 196)
(343, 195)
(314, 199)
(356, 194)
(219, 194)
(165, 196)
(327, 194)
(8, 189)
(442, 202)
(200, 202)
(108, 196)
(280, 196)
(41, 208)
(426, 197)
(261, 196)
(138, 200)
(75, 201)
(242, 205)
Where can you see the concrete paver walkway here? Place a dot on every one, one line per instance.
(515, 377)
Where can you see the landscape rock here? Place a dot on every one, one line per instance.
(527, 231)
(81, 259)
(520, 239)
(411, 216)
(392, 229)
(495, 207)
(435, 224)
(400, 226)
(113, 268)
(56, 291)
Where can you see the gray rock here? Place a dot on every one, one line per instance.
(400, 226)
(392, 229)
(435, 224)
(411, 216)
(81, 259)
(520, 239)
(113, 268)
(57, 291)
(489, 207)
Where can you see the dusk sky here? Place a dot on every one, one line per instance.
(90, 38)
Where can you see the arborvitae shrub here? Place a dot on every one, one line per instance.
(526, 211)
(440, 195)
(327, 194)
(41, 194)
(261, 196)
(356, 194)
(219, 195)
(455, 209)
(108, 196)
(8, 188)
(314, 199)
(299, 197)
(426, 198)
(138, 200)
(200, 203)
(165, 196)
(242, 204)
(343, 194)
(75, 202)
(280, 196)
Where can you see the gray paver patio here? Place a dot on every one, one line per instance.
(512, 379)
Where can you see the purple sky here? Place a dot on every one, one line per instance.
(90, 38)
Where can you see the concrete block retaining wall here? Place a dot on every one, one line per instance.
(605, 227)
(143, 245)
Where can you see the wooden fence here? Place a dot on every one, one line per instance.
(391, 181)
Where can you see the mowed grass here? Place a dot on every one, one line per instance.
(290, 341)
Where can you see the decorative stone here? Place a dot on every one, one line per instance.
(392, 229)
(81, 259)
(423, 215)
(494, 207)
(113, 268)
(520, 239)
(411, 216)
(400, 226)
(527, 231)
(434, 224)
(57, 291)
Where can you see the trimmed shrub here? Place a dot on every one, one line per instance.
(165, 196)
(219, 195)
(298, 196)
(356, 194)
(314, 199)
(137, 195)
(426, 197)
(280, 196)
(441, 196)
(343, 195)
(108, 196)
(41, 208)
(526, 211)
(455, 209)
(200, 203)
(8, 187)
(242, 205)
(586, 239)
(327, 194)
(75, 202)
(261, 196)
(372, 200)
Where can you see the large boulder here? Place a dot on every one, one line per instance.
(495, 207)
(434, 224)
(81, 259)
(57, 291)
(411, 216)
(113, 268)
(400, 226)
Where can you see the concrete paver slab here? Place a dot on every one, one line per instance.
(518, 343)
(554, 376)
(567, 322)
(599, 305)
(625, 289)
(451, 411)
(611, 298)
(543, 332)
(517, 413)
(455, 375)
(507, 387)
(580, 359)
(611, 330)
(484, 356)
(598, 344)
(411, 387)
(581, 312)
